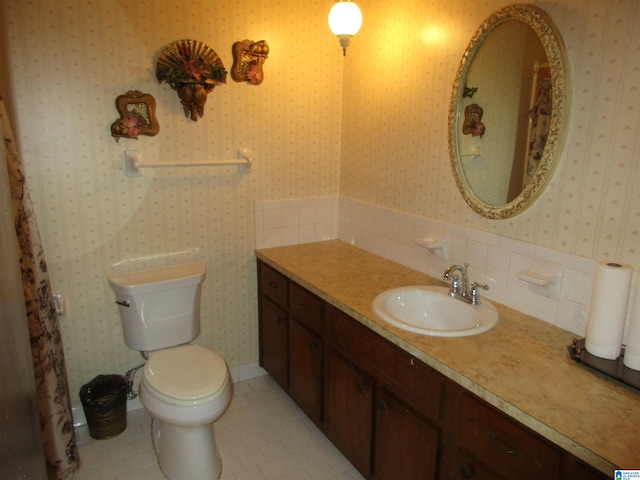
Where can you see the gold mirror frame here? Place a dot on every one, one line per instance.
(560, 91)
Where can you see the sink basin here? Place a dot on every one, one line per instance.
(431, 311)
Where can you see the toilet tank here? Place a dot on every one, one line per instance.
(159, 308)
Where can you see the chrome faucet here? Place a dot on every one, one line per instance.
(460, 287)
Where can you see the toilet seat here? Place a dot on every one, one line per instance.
(186, 375)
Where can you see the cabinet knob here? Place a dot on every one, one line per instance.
(362, 388)
(382, 405)
(273, 285)
(281, 319)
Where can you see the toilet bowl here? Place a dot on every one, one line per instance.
(184, 387)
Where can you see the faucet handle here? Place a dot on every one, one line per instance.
(475, 296)
(476, 285)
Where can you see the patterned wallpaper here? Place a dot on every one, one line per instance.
(67, 60)
(398, 77)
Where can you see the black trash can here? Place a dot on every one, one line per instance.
(104, 401)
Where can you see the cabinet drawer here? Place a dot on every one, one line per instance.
(509, 448)
(306, 307)
(274, 285)
(421, 386)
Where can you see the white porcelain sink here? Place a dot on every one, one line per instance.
(431, 311)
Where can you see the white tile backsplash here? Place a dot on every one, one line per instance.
(289, 222)
(497, 261)
(493, 259)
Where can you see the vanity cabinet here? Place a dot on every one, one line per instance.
(491, 445)
(274, 341)
(406, 445)
(575, 469)
(349, 403)
(305, 369)
(391, 415)
(377, 432)
(291, 324)
(273, 289)
(306, 312)
(383, 405)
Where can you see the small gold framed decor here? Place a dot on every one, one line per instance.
(473, 121)
(248, 58)
(137, 116)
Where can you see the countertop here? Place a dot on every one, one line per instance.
(521, 366)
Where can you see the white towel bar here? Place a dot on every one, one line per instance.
(133, 162)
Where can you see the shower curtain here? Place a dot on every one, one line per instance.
(540, 116)
(52, 389)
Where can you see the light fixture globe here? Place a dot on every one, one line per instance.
(345, 19)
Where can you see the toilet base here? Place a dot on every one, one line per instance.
(186, 452)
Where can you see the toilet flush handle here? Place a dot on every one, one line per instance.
(124, 303)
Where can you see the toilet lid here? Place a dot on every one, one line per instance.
(187, 372)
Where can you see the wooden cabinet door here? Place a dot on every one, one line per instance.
(305, 369)
(274, 342)
(349, 412)
(405, 445)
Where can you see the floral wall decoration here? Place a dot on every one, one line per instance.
(473, 121)
(192, 69)
(137, 116)
(248, 58)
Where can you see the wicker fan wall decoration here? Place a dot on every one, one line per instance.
(192, 69)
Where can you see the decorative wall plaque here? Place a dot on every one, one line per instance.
(248, 58)
(192, 69)
(137, 116)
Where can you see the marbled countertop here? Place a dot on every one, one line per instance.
(522, 366)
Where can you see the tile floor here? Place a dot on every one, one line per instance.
(262, 436)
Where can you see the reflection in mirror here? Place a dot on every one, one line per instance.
(514, 72)
(502, 71)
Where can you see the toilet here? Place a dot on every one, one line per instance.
(184, 387)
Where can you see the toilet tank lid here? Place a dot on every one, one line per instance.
(136, 282)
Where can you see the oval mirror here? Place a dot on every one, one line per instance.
(508, 111)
